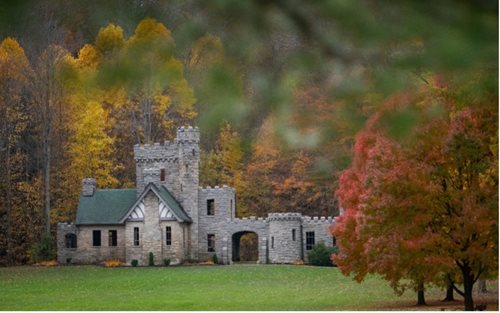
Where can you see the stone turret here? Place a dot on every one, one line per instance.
(285, 237)
(88, 187)
(188, 149)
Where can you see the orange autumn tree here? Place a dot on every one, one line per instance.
(410, 213)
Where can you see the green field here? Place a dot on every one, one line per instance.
(237, 287)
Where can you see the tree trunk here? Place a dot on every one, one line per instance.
(468, 285)
(482, 286)
(420, 294)
(8, 204)
(449, 290)
(46, 180)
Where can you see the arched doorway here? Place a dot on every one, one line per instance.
(245, 246)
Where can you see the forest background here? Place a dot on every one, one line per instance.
(279, 91)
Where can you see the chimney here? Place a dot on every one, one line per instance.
(88, 187)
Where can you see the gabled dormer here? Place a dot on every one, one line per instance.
(169, 209)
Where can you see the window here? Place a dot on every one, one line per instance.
(162, 174)
(112, 238)
(293, 234)
(272, 242)
(136, 236)
(168, 235)
(194, 152)
(211, 242)
(210, 207)
(96, 238)
(334, 241)
(70, 241)
(309, 240)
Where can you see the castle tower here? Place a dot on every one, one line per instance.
(284, 237)
(188, 151)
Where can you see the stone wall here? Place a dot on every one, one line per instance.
(216, 224)
(320, 226)
(85, 251)
(283, 247)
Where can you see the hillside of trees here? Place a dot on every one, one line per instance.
(388, 110)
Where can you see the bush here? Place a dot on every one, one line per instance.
(42, 251)
(166, 261)
(134, 263)
(320, 255)
(151, 259)
(215, 259)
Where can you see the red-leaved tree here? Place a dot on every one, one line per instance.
(423, 206)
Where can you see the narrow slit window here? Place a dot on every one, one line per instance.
(112, 238)
(293, 234)
(334, 241)
(96, 238)
(162, 174)
(272, 242)
(211, 242)
(168, 235)
(136, 236)
(210, 207)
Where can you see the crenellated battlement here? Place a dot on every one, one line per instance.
(187, 134)
(164, 152)
(317, 219)
(272, 217)
(208, 189)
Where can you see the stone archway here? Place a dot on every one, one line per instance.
(253, 254)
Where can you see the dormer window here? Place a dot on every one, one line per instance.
(162, 174)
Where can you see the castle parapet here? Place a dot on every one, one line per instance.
(187, 135)
(271, 217)
(156, 152)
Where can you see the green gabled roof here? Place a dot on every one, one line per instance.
(173, 204)
(106, 206)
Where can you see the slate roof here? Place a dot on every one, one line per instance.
(106, 206)
(173, 204)
(111, 206)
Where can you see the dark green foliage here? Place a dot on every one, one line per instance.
(320, 255)
(134, 263)
(42, 250)
(166, 261)
(151, 259)
(215, 259)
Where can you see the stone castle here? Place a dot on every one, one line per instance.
(171, 216)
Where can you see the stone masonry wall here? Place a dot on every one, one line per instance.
(85, 251)
(214, 224)
(283, 248)
(320, 227)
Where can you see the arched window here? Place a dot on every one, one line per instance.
(70, 241)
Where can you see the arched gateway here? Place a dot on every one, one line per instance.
(245, 246)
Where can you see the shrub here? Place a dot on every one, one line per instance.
(320, 255)
(151, 259)
(134, 263)
(113, 263)
(215, 259)
(42, 251)
(166, 261)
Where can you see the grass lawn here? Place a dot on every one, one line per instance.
(237, 287)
